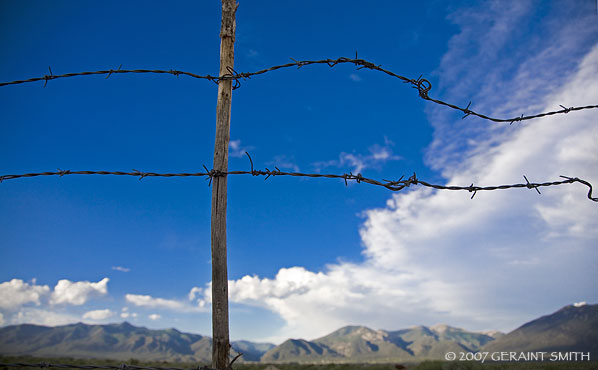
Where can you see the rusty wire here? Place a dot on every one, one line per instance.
(122, 366)
(108, 73)
(393, 185)
(422, 85)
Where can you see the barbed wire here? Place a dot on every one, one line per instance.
(109, 72)
(422, 85)
(393, 185)
(122, 366)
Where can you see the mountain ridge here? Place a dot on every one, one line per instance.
(571, 328)
(121, 341)
(362, 344)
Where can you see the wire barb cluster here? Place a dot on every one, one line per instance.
(422, 85)
(393, 185)
(122, 366)
(109, 73)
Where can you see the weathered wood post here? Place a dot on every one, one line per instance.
(220, 344)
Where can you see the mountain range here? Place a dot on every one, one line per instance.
(362, 344)
(572, 328)
(116, 341)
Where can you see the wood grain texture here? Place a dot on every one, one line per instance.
(220, 332)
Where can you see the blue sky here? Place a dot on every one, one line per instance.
(306, 256)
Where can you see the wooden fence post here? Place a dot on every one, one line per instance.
(220, 344)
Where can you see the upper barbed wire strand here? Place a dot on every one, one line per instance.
(421, 84)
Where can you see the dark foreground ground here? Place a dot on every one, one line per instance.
(426, 365)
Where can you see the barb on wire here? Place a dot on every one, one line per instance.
(122, 366)
(46, 77)
(230, 365)
(422, 85)
(472, 189)
(397, 185)
(530, 185)
(119, 67)
(251, 162)
(110, 72)
(134, 172)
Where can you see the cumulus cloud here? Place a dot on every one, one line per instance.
(78, 293)
(154, 317)
(50, 306)
(482, 261)
(493, 262)
(149, 301)
(16, 293)
(195, 292)
(41, 316)
(168, 304)
(313, 304)
(98, 315)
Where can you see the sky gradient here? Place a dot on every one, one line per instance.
(306, 256)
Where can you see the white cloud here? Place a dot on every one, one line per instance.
(16, 296)
(482, 66)
(196, 295)
(168, 304)
(16, 292)
(154, 317)
(313, 304)
(378, 155)
(235, 149)
(121, 269)
(1, 319)
(355, 77)
(284, 162)
(39, 316)
(78, 293)
(195, 292)
(125, 314)
(493, 262)
(98, 315)
(149, 301)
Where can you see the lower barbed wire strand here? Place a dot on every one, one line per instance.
(391, 185)
(122, 366)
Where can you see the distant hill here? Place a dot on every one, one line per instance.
(572, 328)
(299, 350)
(251, 351)
(116, 341)
(362, 344)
